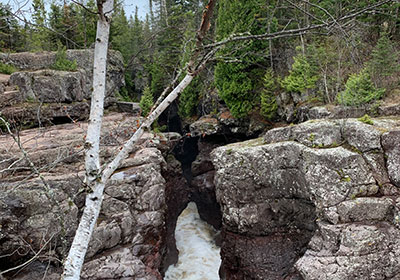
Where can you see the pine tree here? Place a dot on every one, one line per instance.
(39, 39)
(121, 33)
(384, 61)
(359, 90)
(237, 82)
(146, 101)
(302, 76)
(11, 37)
(87, 24)
(269, 106)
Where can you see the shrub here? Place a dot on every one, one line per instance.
(62, 63)
(359, 90)
(146, 101)
(269, 106)
(7, 68)
(189, 98)
(302, 76)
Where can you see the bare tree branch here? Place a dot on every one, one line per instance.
(31, 259)
(292, 32)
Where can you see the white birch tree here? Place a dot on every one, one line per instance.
(97, 177)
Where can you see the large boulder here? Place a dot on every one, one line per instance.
(37, 82)
(51, 86)
(312, 201)
(42, 96)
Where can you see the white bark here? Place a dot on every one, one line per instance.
(94, 175)
(73, 263)
(112, 166)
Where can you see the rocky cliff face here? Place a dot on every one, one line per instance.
(129, 239)
(37, 95)
(319, 200)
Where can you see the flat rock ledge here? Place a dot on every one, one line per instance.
(318, 200)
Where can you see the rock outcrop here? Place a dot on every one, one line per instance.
(319, 200)
(40, 216)
(40, 95)
(225, 124)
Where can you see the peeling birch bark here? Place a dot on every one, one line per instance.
(73, 263)
(94, 175)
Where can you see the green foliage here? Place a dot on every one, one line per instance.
(236, 88)
(146, 101)
(62, 63)
(38, 34)
(269, 106)
(189, 99)
(124, 35)
(366, 119)
(11, 34)
(238, 82)
(301, 77)
(359, 90)
(7, 68)
(384, 61)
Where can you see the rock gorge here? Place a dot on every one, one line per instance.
(316, 200)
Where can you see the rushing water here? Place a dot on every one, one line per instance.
(199, 257)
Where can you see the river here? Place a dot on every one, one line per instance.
(199, 257)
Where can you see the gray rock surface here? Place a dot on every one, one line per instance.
(128, 241)
(328, 188)
(225, 124)
(41, 96)
(51, 86)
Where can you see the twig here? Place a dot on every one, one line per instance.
(30, 260)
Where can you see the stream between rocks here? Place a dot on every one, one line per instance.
(199, 257)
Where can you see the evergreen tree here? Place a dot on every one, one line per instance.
(87, 24)
(302, 76)
(359, 90)
(146, 101)
(11, 37)
(121, 33)
(55, 23)
(39, 39)
(237, 82)
(269, 106)
(384, 61)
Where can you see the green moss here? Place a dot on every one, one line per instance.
(343, 176)
(7, 68)
(366, 119)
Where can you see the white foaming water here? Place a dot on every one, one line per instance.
(199, 257)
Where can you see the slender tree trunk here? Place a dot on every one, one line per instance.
(94, 175)
(73, 263)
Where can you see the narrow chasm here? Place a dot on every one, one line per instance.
(191, 198)
(190, 195)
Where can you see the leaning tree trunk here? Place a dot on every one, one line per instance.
(73, 263)
(95, 176)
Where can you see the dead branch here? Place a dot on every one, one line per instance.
(31, 259)
(293, 32)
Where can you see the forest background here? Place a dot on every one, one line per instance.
(352, 63)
